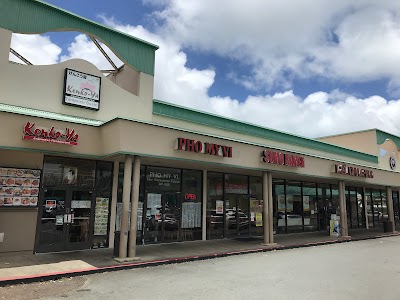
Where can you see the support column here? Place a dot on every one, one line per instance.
(126, 197)
(113, 204)
(204, 207)
(389, 205)
(265, 207)
(365, 209)
(343, 210)
(270, 210)
(134, 208)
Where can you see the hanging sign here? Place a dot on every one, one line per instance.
(50, 135)
(81, 89)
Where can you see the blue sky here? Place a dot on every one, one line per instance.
(307, 67)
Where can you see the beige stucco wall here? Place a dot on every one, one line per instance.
(159, 142)
(19, 224)
(5, 41)
(41, 87)
(256, 140)
(391, 150)
(364, 141)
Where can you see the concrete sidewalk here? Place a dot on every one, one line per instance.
(26, 267)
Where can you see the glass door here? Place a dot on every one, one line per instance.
(237, 215)
(51, 230)
(80, 208)
(171, 217)
(66, 220)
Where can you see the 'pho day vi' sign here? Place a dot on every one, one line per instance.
(81, 89)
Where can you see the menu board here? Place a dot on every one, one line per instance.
(101, 216)
(19, 187)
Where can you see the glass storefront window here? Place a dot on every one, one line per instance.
(103, 189)
(294, 207)
(325, 208)
(370, 207)
(236, 190)
(361, 208)
(352, 207)
(310, 206)
(278, 187)
(256, 207)
(61, 171)
(215, 206)
(377, 207)
(384, 210)
(191, 205)
(170, 204)
(396, 207)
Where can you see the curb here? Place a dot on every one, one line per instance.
(153, 263)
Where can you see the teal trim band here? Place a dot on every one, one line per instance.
(47, 115)
(34, 16)
(207, 119)
(381, 137)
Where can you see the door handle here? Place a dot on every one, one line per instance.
(68, 218)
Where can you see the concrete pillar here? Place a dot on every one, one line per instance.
(365, 209)
(5, 44)
(126, 197)
(266, 206)
(343, 210)
(270, 210)
(389, 204)
(113, 204)
(134, 207)
(204, 207)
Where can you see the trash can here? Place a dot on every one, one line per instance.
(388, 226)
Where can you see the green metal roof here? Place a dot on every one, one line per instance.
(35, 16)
(194, 116)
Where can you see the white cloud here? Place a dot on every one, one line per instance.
(275, 46)
(352, 40)
(37, 49)
(83, 47)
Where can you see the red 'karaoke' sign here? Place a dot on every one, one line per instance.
(50, 135)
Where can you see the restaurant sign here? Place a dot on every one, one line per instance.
(50, 135)
(283, 159)
(81, 89)
(353, 171)
(201, 147)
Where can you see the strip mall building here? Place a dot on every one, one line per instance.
(82, 154)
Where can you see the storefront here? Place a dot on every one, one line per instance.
(74, 205)
(76, 170)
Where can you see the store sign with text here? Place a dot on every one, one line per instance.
(203, 147)
(353, 171)
(283, 159)
(81, 89)
(50, 135)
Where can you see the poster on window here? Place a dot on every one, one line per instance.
(191, 215)
(154, 205)
(289, 203)
(219, 207)
(70, 175)
(306, 203)
(281, 203)
(101, 216)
